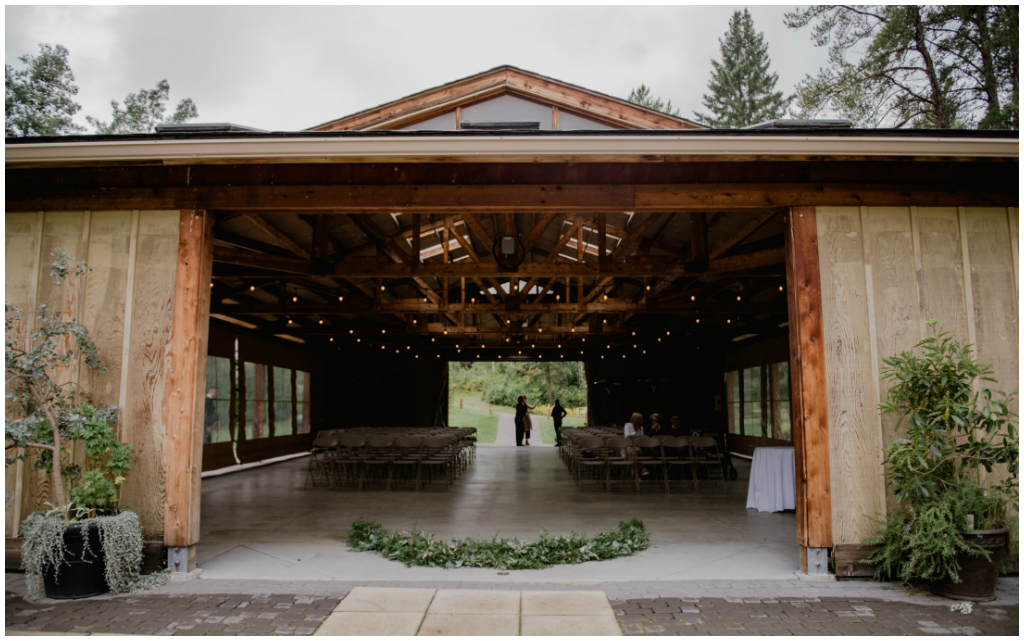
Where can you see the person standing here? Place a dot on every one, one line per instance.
(557, 414)
(521, 409)
(527, 421)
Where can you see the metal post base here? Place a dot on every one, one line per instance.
(816, 561)
(181, 559)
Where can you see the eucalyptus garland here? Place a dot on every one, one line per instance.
(120, 536)
(415, 547)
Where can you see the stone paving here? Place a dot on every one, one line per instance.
(266, 607)
(815, 616)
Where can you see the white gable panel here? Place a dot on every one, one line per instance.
(506, 108)
(444, 122)
(572, 122)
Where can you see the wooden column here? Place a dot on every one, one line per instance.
(602, 237)
(810, 403)
(184, 404)
(416, 227)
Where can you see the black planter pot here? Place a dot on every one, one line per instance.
(977, 575)
(81, 572)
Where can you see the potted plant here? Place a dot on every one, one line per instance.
(947, 529)
(84, 544)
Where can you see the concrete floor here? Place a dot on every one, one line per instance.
(261, 524)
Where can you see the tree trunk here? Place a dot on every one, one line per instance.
(547, 381)
(988, 69)
(921, 45)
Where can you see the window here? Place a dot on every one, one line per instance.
(256, 401)
(758, 401)
(218, 405)
(282, 401)
(302, 406)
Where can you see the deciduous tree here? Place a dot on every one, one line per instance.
(39, 99)
(143, 111)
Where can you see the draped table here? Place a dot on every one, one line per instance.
(772, 479)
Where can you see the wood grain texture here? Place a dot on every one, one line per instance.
(22, 240)
(104, 302)
(994, 300)
(149, 355)
(940, 277)
(853, 435)
(60, 230)
(1012, 216)
(809, 393)
(184, 397)
(892, 288)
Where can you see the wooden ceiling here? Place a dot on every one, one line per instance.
(350, 277)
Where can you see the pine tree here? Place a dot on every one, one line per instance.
(742, 89)
(643, 97)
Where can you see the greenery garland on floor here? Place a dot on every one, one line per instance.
(120, 536)
(415, 547)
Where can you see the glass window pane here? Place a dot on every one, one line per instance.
(784, 380)
(303, 388)
(256, 401)
(282, 417)
(787, 425)
(752, 419)
(282, 385)
(752, 384)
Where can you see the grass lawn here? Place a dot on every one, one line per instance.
(547, 426)
(486, 426)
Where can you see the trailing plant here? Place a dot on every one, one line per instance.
(47, 415)
(120, 536)
(415, 547)
(949, 432)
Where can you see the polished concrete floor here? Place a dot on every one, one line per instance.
(260, 523)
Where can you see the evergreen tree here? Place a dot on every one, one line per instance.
(39, 99)
(742, 89)
(642, 96)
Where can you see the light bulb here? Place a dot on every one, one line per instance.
(252, 288)
(351, 331)
(359, 340)
(341, 298)
(321, 321)
(295, 299)
(739, 298)
(693, 298)
(332, 339)
(383, 331)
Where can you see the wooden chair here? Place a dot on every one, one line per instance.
(596, 464)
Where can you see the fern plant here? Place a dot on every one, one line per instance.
(948, 433)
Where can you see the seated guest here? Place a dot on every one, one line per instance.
(635, 426)
(676, 429)
(656, 429)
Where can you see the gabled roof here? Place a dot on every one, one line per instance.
(506, 79)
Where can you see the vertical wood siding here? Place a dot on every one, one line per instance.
(111, 293)
(885, 271)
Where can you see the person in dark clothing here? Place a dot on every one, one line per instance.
(656, 429)
(557, 414)
(521, 408)
(676, 429)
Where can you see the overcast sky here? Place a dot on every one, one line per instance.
(287, 69)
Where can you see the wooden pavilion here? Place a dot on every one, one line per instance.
(512, 216)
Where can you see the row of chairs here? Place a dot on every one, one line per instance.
(605, 457)
(361, 457)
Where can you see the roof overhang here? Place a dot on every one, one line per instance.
(667, 147)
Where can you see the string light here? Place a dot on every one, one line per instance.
(648, 288)
(417, 356)
(584, 339)
(499, 356)
(321, 321)
(472, 300)
(558, 297)
(341, 298)
(252, 288)
(381, 288)
(728, 321)
(506, 340)
(780, 288)
(540, 356)
(634, 345)
(532, 345)
(295, 299)
(446, 332)
(359, 340)
(602, 355)
(739, 298)
(431, 339)
(289, 321)
(408, 347)
(659, 339)
(561, 356)
(623, 356)
(606, 296)
(605, 321)
(458, 351)
(645, 351)
(383, 331)
(211, 285)
(668, 333)
(351, 331)
(698, 320)
(693, 298)
(634, 333)
(398, 351)
(332, 339)
(382, 347)
(414, 321)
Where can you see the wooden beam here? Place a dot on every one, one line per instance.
(508, 199)
(753, 225)
(184, 395)
(634, 235)
(698, 236)
(416, 238)
(809, 394)
(278, 235)
(537, 230)
(417, 306)
(602, 237)
(478, 229)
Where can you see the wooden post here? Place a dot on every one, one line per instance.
(809, 398)
(602, 237)
(184, 404)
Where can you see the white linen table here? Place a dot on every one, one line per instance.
(772, 479)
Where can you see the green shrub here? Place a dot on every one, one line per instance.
(415, 547)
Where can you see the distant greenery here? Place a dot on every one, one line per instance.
(414, 547)
(502, 383)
